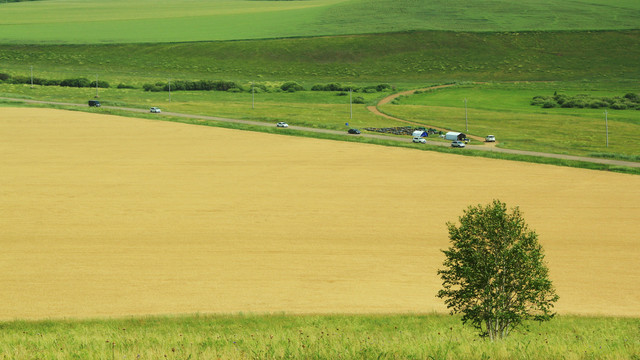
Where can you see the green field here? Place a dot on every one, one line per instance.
(391, 58)
(504, 110)
(121, 21)
(314, 337)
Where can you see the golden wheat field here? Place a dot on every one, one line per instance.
(110, 216)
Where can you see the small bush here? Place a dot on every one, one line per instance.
(619, 106)
(4, 77)
(628, 101)
(101, 84)
(633, 97)
(78, 82)
(19, 80)
(153, 87)
(291, 86)
(125, 86)
(358, 100)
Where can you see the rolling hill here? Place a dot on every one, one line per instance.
(149, 21)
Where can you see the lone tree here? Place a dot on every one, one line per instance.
(494, 273)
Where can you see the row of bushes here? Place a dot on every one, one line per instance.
(75, 82)
(217, 85)
(340, 87)
(222, 85)
(628, 101)
(188, 85)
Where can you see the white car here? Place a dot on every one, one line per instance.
(282, 124)
(156, 110)
(490, 138)
(457, 143)
(419, 140)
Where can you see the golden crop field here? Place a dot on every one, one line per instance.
(109, 216)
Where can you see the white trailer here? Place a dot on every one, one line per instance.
(451, 135)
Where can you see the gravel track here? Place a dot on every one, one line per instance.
(484, 147)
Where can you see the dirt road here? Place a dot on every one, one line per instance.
(483, 147)
(390, 98)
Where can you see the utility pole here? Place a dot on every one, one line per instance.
(466, 119)
(606, 126)
(350, 106)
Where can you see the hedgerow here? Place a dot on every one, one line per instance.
(628, 101)
(188, 85)
(340, 87)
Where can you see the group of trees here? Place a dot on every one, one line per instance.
(200, 85)
(344, 88)
(73, 82)
(289, 86)
(628, 101)
(188, 85)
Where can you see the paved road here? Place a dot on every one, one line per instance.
(338, 132)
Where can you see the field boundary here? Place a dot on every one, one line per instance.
(483, 148)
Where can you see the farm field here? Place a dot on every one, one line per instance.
(107, 216)
(505, 110)
(121, 21)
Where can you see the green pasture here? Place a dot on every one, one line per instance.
(152, 21)
(313, 337)
(504, 110)
(317, 109)
(412, 58)
(501, 109)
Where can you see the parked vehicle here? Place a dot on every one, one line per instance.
(419, 140)
(457, 143)
(155, 110)
(94, 103)
(354, 131)
(490, 138)
(282, 124)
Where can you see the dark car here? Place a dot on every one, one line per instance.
(354, 131)
(95, 103)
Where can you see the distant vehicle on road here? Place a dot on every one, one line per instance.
(457, 143)
(490, 138)
(282, 124)
(354, 131)
(155, 110)
(419, 140)
(94, 103)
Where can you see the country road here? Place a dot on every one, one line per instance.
(338, 132)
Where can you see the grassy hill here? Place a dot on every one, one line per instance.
(150, 21)
(408, 57)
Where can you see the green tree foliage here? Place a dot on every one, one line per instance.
(291, 86)
(494, 272)
(628, 101)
